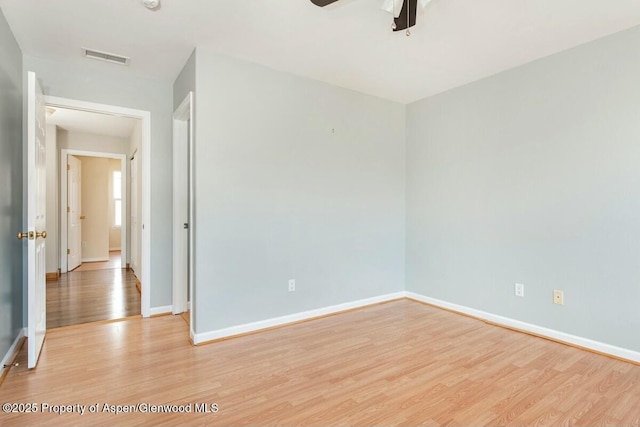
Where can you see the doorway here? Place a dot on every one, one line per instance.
(112, 264)
(94, 207)
(183, 219)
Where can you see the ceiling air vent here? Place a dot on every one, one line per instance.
(104, 56)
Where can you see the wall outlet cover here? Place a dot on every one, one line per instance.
(558, 297)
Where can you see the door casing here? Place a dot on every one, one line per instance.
(145, 150)
(64, 232)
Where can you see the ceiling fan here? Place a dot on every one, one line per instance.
(404, 11)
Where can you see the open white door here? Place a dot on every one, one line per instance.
(183, 224)
(74, 206)
(36, 220)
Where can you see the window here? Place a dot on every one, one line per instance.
(117, 199)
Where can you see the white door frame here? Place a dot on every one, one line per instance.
(145, 117)
(64, 153)
(183, 208)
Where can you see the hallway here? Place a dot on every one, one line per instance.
(90, 296)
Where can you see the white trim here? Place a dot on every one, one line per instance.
(154, 311)
(95, 259)
(291, 318)
(192, 333)
(56, 101)
(145, 249)
(145, 116)
(534, 329)
(85, 153)
(11, 353)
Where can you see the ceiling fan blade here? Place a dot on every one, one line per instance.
(406, 19)
(323, 3)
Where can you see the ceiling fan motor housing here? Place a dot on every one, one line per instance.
(406, 18)
(151, 4)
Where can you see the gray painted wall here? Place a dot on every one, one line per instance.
(295, 179)
(11, 319)
(99, 82)
(532, 176)
(185, 82)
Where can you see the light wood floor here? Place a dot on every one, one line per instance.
(90, 296)
(115, 261)
(400, 363)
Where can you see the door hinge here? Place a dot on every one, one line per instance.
(68, 209)
(68, 167)
(68, 251)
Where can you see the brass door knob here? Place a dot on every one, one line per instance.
(31, 235)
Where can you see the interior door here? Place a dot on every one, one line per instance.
(180, 215)
(135, 232)
(74, 207)
(36, 220)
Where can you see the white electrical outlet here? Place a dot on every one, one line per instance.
(519, 289)
(558, 297)
(292, 285)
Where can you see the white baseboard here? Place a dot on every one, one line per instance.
(155, 311)
(586, 343)
(95, 259)
(291, 318)
(13, 349)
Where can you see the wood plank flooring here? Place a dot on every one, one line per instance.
(399, 363)
(90, 296)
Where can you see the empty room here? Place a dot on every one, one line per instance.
(347, 212)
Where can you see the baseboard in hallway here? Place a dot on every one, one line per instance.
(52, 276)
(113, 262)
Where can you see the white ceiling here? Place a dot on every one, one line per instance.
(94, 123)
(454, 42)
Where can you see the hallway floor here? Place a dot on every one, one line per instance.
(91, 296)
